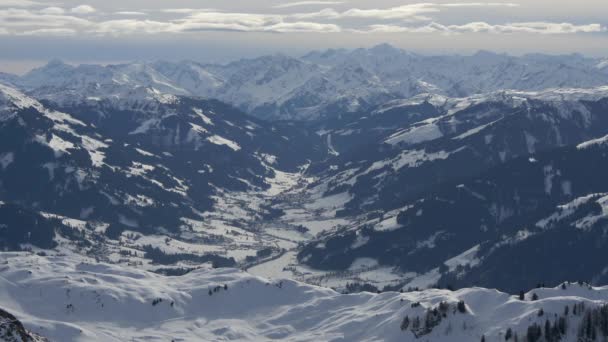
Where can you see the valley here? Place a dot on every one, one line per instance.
(381, 197)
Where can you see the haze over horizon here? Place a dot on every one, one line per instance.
(34, 32)
(21, 67)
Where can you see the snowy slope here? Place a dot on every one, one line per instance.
(402, 147)
(68, 299)
(188, 177)
(507, 227)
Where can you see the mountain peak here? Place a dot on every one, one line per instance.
(482, 53)
(55, 62)
(51, 68)
(385, 48)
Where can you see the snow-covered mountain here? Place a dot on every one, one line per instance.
(460, 198)
(507, 228)
(320, 84)
(368, 169)
(70, 299)
(156, 165)
(176, 180)
(405, 147)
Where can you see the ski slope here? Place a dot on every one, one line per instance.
(65, 298)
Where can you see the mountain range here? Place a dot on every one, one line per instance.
(319, 84)
(359, 170)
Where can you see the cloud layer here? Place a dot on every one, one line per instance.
(307, 3)
(483, 27)
(27, 18)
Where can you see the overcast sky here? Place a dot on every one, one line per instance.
(34, 31)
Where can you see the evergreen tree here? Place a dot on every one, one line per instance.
(416, 323)
(462, 308)
(508, 334)
(588, 324)
(405, 323)
(555, 332)
(547, 330)
(534, 333)
(561, 324)
(443, 308)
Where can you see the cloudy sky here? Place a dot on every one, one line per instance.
(34, 31)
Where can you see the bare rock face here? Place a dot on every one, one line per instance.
(12, 330)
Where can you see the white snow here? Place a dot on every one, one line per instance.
(281, 182)
(332, 151)
(603, 64)
(140, 169)
(198, 128)
(417, 134)
(588, 221)
(317, 226)
(360, 241)
(144, 153)
(127, 221)
(475, 130)
(434, 99)
(330, 202)
(145, 126)
(139, 200)
(348, 80)
(51, 167)
(363, 263)
(202, 115)
(424, 281)
(594, 142)
(411, 158)
(6, 159)
(466, 258)
(17, 98)
(550, 173)
(57, 144)
(417, 157)
(388, 224)
(62, 117)
(218, 140)
(67, 298)
(567, 209)
(530, 142)
(93, 146)
(429, 242)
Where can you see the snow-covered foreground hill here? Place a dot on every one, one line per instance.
(65, 299)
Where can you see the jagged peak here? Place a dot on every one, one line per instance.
(385, 48)
(56, 62)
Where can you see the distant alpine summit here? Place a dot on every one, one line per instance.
(321, 83)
